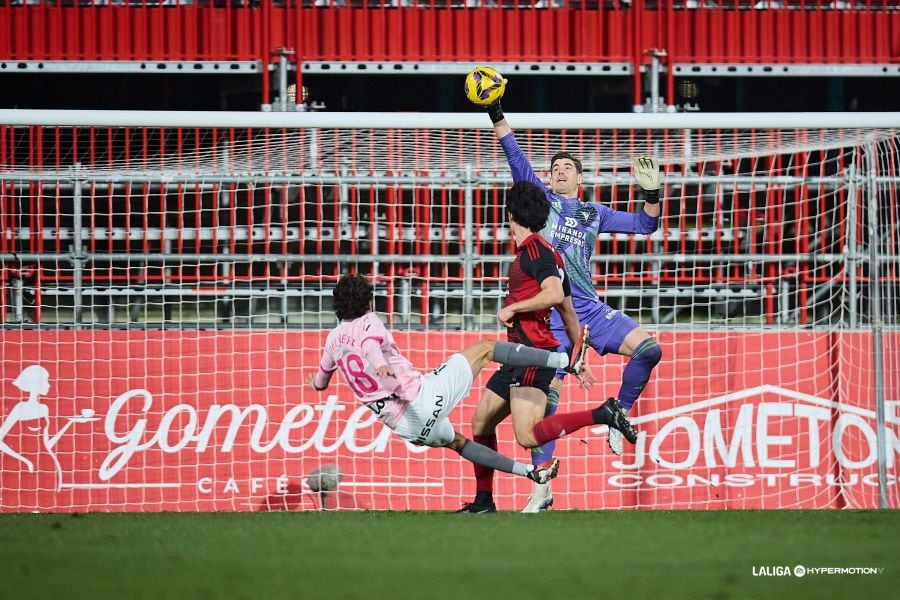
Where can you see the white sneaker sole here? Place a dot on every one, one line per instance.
(615, 441)
(536, 507)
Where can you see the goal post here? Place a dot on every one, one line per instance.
(166, 281)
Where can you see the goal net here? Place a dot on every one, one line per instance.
(166, 280)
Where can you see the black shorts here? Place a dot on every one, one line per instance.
(508, 377)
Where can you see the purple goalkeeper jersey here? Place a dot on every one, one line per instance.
(573, 225)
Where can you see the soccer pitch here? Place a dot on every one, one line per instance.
(613, 554)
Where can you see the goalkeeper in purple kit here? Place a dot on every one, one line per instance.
(572, 229)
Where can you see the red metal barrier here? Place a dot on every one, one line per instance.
(801, 33)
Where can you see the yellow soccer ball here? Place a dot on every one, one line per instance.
(484, 86)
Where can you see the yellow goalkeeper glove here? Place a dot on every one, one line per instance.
(646, 171)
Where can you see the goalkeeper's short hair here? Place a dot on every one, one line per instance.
(352, 297)
(561, 155)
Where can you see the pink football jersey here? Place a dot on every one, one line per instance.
(357, 348)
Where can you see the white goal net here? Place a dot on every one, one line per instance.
(166, 289)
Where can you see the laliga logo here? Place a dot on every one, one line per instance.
(34, 380)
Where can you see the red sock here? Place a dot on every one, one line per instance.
(484, 477)
(553, 428)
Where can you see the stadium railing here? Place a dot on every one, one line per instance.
(762, 239)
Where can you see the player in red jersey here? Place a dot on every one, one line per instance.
(537, 283)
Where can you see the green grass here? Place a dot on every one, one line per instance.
(565, 555)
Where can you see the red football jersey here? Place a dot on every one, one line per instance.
(535, 261)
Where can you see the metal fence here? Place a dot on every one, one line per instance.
(807, 241)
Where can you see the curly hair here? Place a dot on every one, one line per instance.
(561, 156)
(352, 297)
(527, 205)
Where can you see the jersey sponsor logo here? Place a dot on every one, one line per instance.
(430, 423)
(439, 369)
(587, 214)
(563, 233)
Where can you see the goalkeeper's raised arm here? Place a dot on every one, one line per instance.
(485, 88)
(489, 100)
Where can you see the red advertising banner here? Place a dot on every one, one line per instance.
(196, 420)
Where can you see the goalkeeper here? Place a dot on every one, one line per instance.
(572, 229)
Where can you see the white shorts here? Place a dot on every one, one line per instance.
(425, 422)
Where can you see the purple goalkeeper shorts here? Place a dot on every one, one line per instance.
(608, 327)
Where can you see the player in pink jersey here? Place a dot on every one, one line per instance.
(412, 404)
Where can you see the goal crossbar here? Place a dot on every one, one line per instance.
(468, 120)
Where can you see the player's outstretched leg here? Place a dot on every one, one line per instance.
(481, 353)
(609, 413)
(635, 376)
(520, 355)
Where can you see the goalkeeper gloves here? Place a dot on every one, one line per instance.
(646, 171)
(495, 112)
